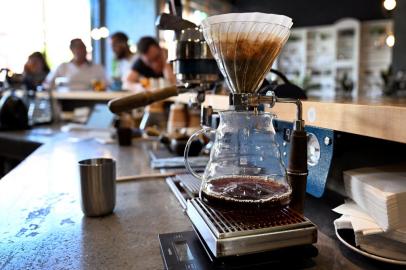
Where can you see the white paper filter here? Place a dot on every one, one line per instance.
(245, 46)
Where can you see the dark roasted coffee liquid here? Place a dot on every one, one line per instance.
(246, 61)
(245, 191)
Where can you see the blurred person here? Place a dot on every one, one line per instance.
(124, 58)
(151, 63)
(80, 73)
(150, 66)
(35, 71)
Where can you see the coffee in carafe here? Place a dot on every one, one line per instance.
(246, 192)
(245, 167)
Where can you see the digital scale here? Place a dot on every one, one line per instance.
(184, 250)
(235, 239)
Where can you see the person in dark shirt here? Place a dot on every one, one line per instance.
(151, 63)
(123, 57)
(35, 71)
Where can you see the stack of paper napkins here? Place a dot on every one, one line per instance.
(368, 235)
(380, 192)
(375, 214)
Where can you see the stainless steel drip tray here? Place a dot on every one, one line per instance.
(230, 233)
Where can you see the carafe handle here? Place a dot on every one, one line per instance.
(186, 154)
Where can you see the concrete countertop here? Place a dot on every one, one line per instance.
(42, 226)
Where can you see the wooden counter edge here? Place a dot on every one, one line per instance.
(378, 121)
(89, 95)
(384, 121)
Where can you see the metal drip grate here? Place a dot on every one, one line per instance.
(189, 182)
(230, 223)
(239, 232)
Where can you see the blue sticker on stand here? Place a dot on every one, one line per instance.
(320, 153)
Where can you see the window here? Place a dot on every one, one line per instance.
(47, 26)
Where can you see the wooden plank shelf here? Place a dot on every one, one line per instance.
(378, 118)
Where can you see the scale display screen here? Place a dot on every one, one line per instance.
(183, 251)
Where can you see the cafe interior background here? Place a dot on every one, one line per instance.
(344, 53)
(320, 47)
(348, 47)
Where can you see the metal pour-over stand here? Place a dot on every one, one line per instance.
(226, 239)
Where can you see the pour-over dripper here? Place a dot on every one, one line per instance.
(245, 46)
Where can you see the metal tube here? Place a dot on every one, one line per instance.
(298, 124)
(297, 166)
(299, 109)
(251, 101)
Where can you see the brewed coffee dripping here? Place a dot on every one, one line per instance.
(245, 167)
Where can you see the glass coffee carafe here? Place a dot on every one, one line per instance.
(245, 166)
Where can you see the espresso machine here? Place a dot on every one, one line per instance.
(193, 64)
(247, 203)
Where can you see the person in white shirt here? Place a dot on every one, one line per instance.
(79, 73)
(124, 58)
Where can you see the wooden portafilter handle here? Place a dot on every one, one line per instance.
(143, 99)
(297, 169)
